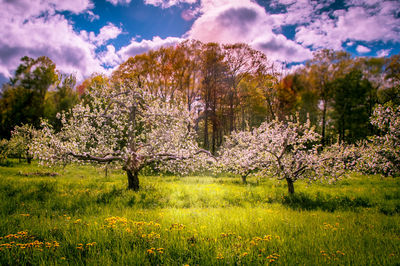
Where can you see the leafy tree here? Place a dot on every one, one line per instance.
(391, 92)
(351, 106)
(127, 125)
(241, 61)
(213, 72)
(23, 98)
(62, 98)
(323, 70)
(4, 150)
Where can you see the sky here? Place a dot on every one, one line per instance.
(87, 36)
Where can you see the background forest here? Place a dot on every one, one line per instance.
(225, 87)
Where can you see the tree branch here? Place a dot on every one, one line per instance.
(170, 157)
(88, 157)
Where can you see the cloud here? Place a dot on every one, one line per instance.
(362, 21)
(362, 49)
(24, 9)
(119, 2)
(168, 3)
(41, 31)
(91, 16)
(279, 48)
(244, 21)
(135, 47)
(108, 32)
(110, 58)
(383, 52)
(190, 14)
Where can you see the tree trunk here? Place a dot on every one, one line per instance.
(133, 180)
(290, 186)
(244, 177)
(323, 138)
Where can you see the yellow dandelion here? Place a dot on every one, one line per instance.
(150, 251)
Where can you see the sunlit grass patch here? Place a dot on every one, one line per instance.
(82, 217)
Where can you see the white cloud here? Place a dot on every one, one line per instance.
(168, 3)
(110, 58)
(383, 52)
(92, 16)
(24, 9)
(361, 21)
(119, 2)
(143, 46)
(244, 21)
(40, 31)
(362, 49)
(108, 32)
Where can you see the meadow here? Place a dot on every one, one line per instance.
(78, 216)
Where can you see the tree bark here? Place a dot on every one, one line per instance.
(244, 179)
(323, 138)
(133, 180)
(290, 186)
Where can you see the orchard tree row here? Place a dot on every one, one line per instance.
(221, 107)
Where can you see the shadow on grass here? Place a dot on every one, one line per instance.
(319, 201)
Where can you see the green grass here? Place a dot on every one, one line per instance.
(82, 217)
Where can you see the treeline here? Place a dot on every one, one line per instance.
(226, 87)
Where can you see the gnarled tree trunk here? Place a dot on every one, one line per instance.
(133, 180)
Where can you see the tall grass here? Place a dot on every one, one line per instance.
(82, 217)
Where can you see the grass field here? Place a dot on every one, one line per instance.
(82, 217)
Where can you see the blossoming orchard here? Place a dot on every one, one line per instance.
(126, 125)
(211, 157)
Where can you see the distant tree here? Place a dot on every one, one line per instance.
(123, 124)
(391, 92)
(62, 98)
(323, 70)
(241, 61)
(4, 150)
(23, 99)
(213, 88)
(20, 142)
(351, 106)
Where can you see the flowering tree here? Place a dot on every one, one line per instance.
(382, 153)
(240, 154)
(21, 138)
(123, 124)
(287, 149)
